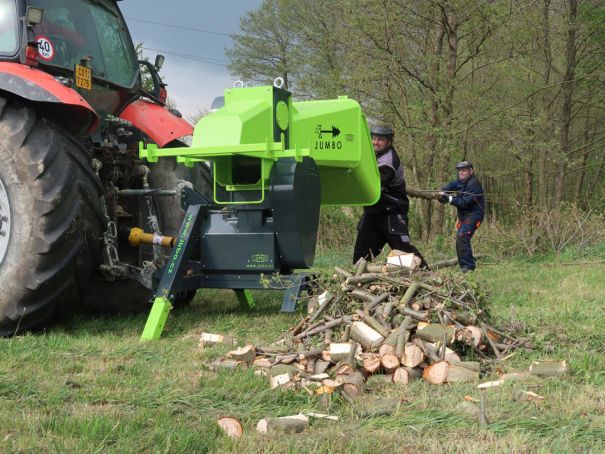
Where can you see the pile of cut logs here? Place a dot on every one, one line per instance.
(385, 322)
(381, 325)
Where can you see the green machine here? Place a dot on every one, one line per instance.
(275, 163)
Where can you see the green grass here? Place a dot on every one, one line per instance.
(88, 385)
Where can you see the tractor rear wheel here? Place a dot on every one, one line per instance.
(50, 219)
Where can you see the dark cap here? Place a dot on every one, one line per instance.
(464, 165)
(381, 131)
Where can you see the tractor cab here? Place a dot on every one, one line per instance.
(85, 44)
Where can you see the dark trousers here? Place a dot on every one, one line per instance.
(466, 230)
(376, 230)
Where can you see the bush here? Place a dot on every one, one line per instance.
(544, 231)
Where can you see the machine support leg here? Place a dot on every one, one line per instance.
(293, 293)
(174, 271)
(157, 319)
(245, 299)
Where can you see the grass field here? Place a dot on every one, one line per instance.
(88, 385)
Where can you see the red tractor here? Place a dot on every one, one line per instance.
(72, 187)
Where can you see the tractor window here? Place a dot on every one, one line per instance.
(8, 27)
(73, 29)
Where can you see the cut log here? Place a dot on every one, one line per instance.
(470, 365)
(401, 376)
(470, 335)
(463, 317)
(355, 384)
(511, 376)
(548, 368)
(456, 373)
(386, 349)
(451, 356)
(401, 341)
(390, 363)
(403, 259)
(279, 380)
(361, 279)
(408, 295)
(366, 336)
(362, 295)
(429, 350)
(516, 376)
(343, 370)
(414, 373)
(372, 322)
(322, 416)
(347, 334)
(229, 364)
(209, 340)
(421, 316)
(436, 373)
(406, 325)
(296, 424)
(342, 272)
(261, 361)
(321, 366)
(232, 427)
(340, 351)
(361, 267)
(311, 364)
(526, 396)
(329, 386)
(371, 363)
(374, 268)
(434, 332)
(412, 355)
(247, 354)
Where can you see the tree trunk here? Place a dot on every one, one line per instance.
(566, 110)
(546, 128)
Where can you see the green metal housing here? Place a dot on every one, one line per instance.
(259, 125)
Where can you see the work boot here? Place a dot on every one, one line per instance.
(465, 270)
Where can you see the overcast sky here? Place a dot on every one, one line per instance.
(192, 83)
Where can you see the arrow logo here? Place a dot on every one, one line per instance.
(334, 131)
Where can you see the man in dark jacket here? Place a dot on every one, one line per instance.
(466, 194)
(387, 220)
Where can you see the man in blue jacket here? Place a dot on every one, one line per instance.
(466, 194)
(387, 220)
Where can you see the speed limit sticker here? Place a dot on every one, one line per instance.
(45, 48)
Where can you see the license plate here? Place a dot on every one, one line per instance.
(83, 77)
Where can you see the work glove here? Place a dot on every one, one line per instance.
(443, 198)
(450, 198)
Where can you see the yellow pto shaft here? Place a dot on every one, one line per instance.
(138, 236)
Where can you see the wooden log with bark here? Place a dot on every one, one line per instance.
(548, 368)
(296, 424)
(247, 354)
(366, 336)
(210, 340)
(355, 384)
(444, 372)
